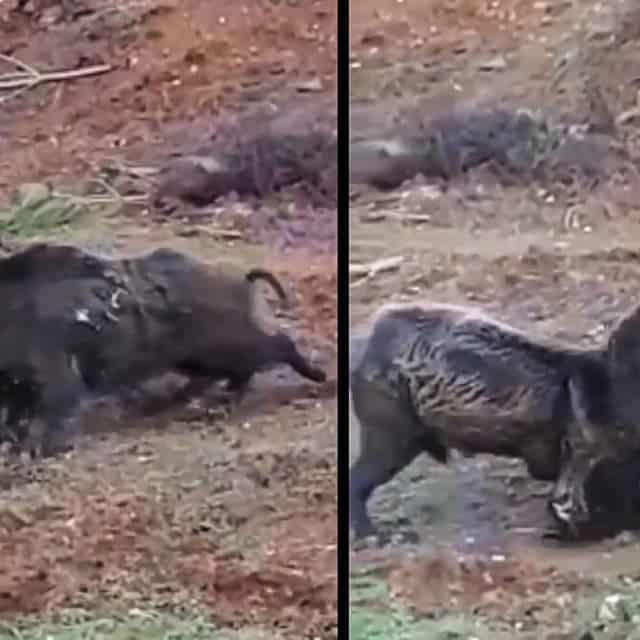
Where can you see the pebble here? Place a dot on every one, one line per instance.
(493, 64)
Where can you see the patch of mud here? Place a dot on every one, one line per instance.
(474, 504)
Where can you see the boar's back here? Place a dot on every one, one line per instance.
(44, 262)
(462, 366)
(187, 285)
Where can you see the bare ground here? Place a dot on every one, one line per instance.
(234, 519)
(558, 262)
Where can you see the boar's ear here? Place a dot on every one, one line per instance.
(581, 430)
(623, 350)
(593, 426)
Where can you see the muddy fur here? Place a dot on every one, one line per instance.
(102, 326)
(437, 377)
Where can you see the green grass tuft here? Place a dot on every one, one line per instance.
(151, 628)
(140, 625)
(37, 212)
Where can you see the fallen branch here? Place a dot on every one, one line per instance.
(105, 199)
(111, 196)
(32, 77)
(377, 266)
(366, 272)
(217, 233)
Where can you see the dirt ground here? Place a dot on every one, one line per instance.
(235, 518)
(470, 558)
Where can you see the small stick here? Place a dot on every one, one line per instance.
(378, 266)
(107, 199)
(32, 77)
(224, 234)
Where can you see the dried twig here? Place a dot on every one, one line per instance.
(224, 234)
(368, 271)
(377, 266)
(106, 199)
(31, 77)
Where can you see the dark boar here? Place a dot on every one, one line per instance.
(204, 319)
(435, 377)
(112, 327)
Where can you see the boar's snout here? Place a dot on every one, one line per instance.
(567, 503)
(612, 495)
(597, 493)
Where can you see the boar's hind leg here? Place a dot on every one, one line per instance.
(390, 439)
(239, 385)
(201, 378)
(283, 349)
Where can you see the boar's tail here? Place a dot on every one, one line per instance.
(267, 276)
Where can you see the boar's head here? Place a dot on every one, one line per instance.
(603, 434)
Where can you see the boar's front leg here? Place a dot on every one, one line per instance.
(391, 437)
(50, 430)
(542, 458)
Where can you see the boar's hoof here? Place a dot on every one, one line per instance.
(362, 529)
(379, 539)
(315, 374)
(573, 524)
(562, 509)
(44, 442)
(359, 519)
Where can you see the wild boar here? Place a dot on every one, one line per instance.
(435, 377)
(111, 324)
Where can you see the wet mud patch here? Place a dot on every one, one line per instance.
(481, 504)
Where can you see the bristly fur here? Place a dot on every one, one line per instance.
(434, 377)
(82, 324)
